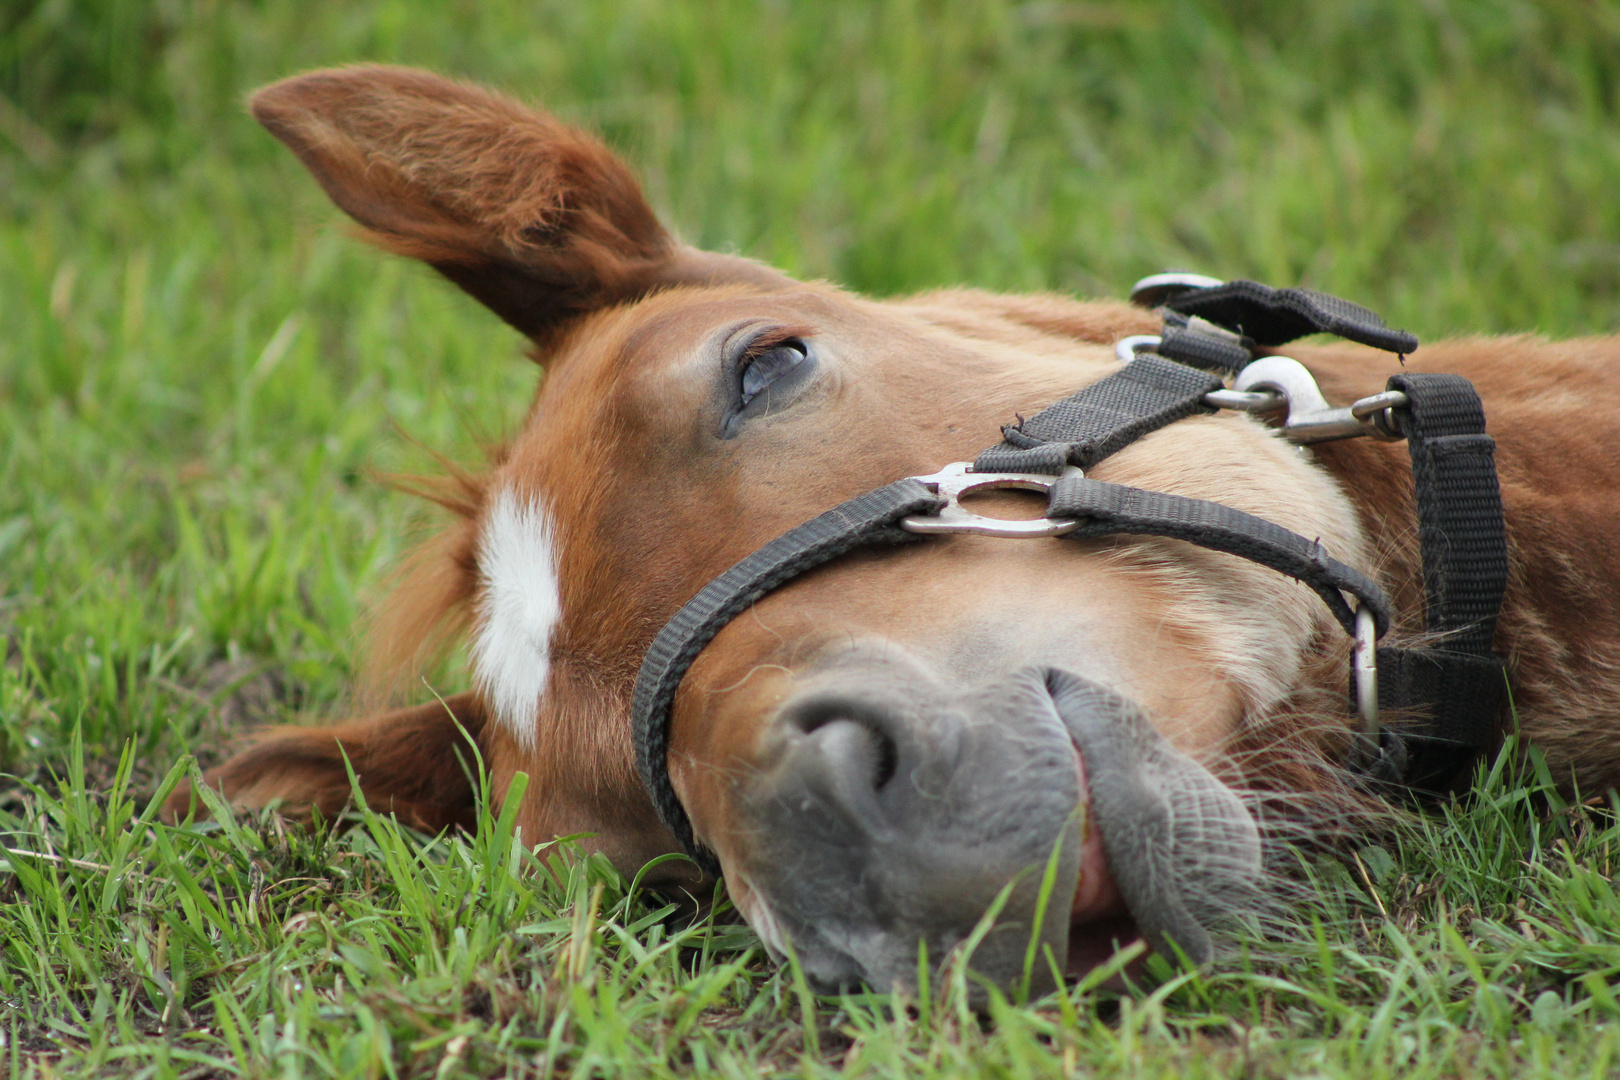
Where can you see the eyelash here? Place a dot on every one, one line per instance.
(765, 343)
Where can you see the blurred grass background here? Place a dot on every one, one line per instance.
(198, 367)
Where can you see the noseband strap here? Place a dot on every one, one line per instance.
(1114, 509)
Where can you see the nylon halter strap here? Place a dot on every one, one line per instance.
(1455, 686)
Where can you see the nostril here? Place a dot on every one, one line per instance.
(856, 747)
(888, 760)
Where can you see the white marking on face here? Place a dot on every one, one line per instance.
(518, 609)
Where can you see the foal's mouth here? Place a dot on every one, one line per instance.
(885, 823)
(1169, 852)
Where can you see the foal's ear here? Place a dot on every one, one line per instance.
(538, 221)
(417, 763)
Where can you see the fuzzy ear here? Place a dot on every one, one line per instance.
(415, 763)
(538, 221)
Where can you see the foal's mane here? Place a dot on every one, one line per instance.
(427, 606)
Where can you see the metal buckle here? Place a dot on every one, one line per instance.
(1364, 662)
(1310, 418)
(958, 479)
(1275, 382)
(1155, 289)
(1126, 348)
(1379, 410)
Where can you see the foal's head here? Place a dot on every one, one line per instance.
(879, 750)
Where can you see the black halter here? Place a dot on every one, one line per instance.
(1456, 684)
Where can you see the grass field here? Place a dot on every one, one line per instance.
(199, 372)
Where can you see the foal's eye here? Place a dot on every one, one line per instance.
(769, 366)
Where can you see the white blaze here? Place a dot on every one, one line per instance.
(518, 609)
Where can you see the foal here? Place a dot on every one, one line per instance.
(878, 750)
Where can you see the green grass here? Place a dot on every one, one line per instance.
(199, 371)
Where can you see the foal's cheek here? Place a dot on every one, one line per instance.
(722, 714)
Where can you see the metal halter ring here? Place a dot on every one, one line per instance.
(958, 479)
(1126, 348)
(1157, 289)
(1310, 418)
(1364, 663)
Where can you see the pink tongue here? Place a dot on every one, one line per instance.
(1099, 922)
(1096, 897)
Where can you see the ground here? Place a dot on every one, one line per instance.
(202, 377)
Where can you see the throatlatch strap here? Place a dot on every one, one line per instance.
(1276, 316)
(1111, 509)
(1457, 681)
(872, 518)
(1111, 413)
(1460, 529)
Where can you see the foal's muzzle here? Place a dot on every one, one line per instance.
(887, 821)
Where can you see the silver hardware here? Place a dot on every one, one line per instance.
(1155, 289)
(958, 479)
(1126, 348)
(1364, 662)
(1367, 406)
(1261, 401)
(1310, 418)
(1380, 410)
